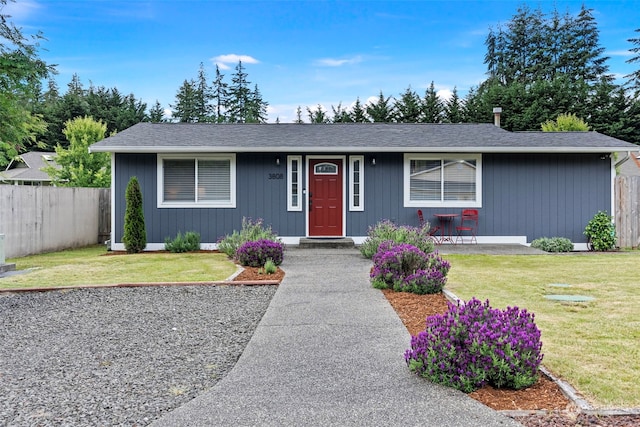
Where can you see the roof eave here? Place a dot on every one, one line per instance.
(349, 149)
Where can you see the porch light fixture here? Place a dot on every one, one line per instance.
(373, 161)
(277, 160)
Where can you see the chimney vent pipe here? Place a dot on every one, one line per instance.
(496, 115)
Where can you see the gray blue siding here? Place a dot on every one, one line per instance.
(532, 195)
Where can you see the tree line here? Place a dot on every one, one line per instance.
(538, 66)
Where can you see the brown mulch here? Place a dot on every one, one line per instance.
(545, 395)
(250, 274)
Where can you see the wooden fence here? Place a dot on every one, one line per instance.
(42, 219)
(627, 215)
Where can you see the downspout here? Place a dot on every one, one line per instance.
(624, 159)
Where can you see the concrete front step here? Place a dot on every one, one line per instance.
(328, 243)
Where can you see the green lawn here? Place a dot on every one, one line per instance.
(92, 266)
(595, 346)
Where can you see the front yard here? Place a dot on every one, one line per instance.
(595, 346)
(95, 266)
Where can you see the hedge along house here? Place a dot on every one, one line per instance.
(336, 180)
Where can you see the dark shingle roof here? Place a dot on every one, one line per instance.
(28, 167)
(349, 137)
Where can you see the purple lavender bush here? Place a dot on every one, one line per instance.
(474, 344)
(405, 268)
(256, 253)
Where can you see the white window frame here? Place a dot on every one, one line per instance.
(231, 203)
(477, 203)
(291, 206)
(352, 182)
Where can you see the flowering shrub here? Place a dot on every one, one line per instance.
(251, 231)
(256, 254)
(406, 268)
(473, 344)
(388, 231)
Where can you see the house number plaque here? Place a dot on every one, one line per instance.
(276, 176)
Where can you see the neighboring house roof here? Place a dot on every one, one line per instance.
(348, 137)
(28, 167)
(631, 167)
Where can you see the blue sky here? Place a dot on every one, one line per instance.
(298, 52)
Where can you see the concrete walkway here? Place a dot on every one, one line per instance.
(329, 352)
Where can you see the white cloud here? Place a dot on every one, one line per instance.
(223, 61)
(444, 94)
(620, 53)
(332, 62)
(19, 10)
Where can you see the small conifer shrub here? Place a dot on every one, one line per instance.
(135, 233)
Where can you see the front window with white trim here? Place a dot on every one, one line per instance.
(197, 181)
(356, 183)
(450, 180)
(294, 183)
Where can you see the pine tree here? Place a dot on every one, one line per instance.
(409, 107)
(432, 108)
(135, 233)
(256, 108)
(358, 114)
(202, 97)
(634, 78)
(318, 115)
(382, 110)
(340, 114)
(239, 96)
(220, 96)
(453, 108)
(185, 108)
(156, 113)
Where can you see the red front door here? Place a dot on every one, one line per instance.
(325, 198)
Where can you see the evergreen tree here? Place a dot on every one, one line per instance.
(382, 110)
(299, 115)
(135, 233)
(409, 107)
(203, 96)
(317, 115)
(358, 113)
(79, 167)
(156, 113)
(453, 112)
(340, 114)
(239, 96)
(432, 107)
(634, 78)
(219, 94)
(257, 108)
(185, 108)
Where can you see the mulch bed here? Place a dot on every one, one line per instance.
(251, 274)
(544, 395)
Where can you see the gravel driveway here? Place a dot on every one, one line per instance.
(119, 356)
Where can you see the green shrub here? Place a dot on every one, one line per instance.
(270, 267)
(251, 231)
(388, 231)
(553, 244)
(135, 233)
(601, 232)
(189, 242)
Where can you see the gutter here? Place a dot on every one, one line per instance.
(624, 159)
